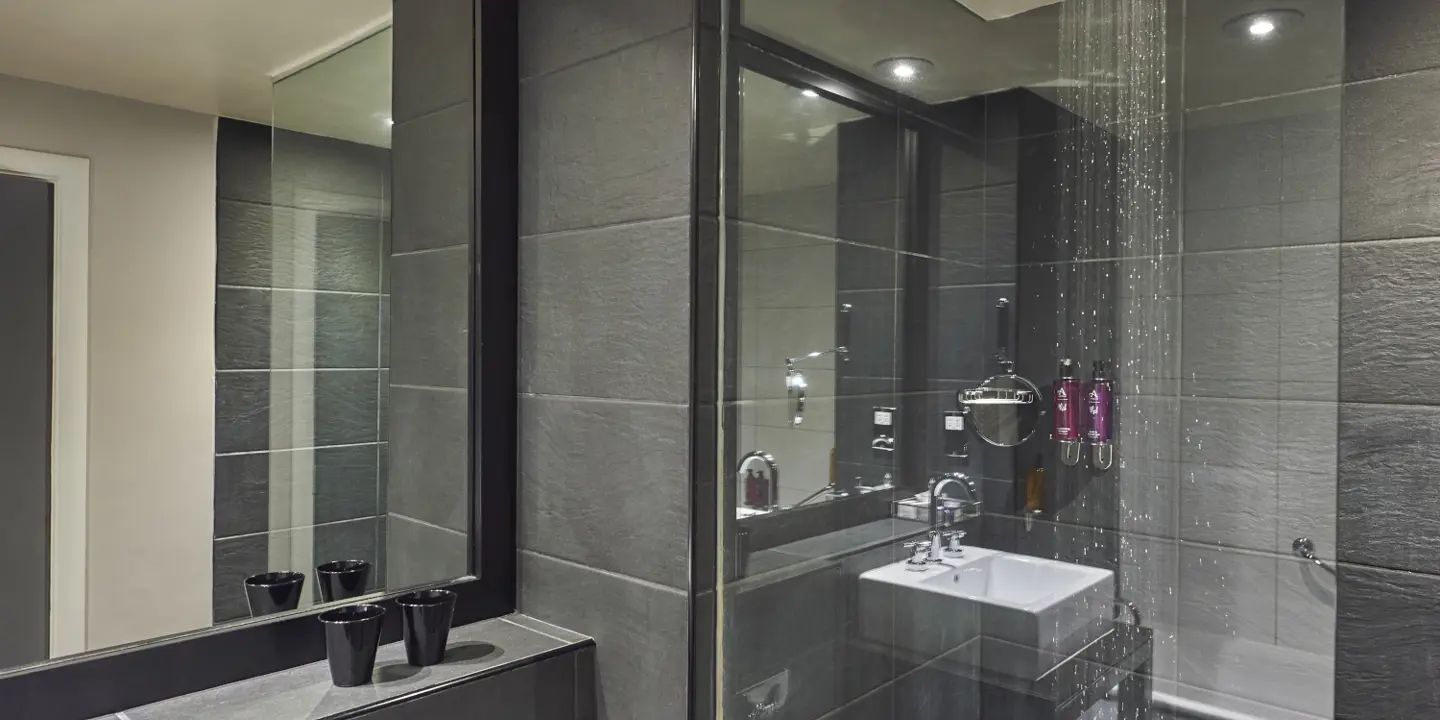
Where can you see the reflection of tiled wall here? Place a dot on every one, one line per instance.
(786, 309)
(427, 420)
(605, 281)
(298, 353)
(1389, 426)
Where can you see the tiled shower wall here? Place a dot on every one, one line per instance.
(1389, 425)
(300, 228)
(605, 297)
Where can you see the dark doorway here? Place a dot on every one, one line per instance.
(26, 242)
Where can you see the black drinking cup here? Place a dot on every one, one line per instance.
(352, 635)
(273, 592)
(426, 617)
(342, 579)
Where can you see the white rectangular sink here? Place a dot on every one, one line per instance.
(1028, 613)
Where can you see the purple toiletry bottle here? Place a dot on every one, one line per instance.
(1068, 417)
(1099, 397)
(1100, 404)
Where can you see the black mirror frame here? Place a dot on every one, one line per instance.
(110, 681)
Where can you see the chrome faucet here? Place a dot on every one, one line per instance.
(948, 542)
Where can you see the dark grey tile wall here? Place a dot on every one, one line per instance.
(298, 318)
(1388, 323)
(605, 206)
(426, 422)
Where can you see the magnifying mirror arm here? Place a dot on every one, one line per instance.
(842, 352)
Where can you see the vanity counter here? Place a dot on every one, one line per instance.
(485, 660)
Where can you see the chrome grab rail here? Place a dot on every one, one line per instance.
(1305, 548)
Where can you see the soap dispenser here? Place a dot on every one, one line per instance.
(1067, 413)
(1100, 401)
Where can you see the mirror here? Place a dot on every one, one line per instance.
(235, 260)
(1004, 411)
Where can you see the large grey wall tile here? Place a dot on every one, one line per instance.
(418, 553)
(242, 161)
(328, 175)
(1306, 601)
(1231, 505)
(1232, 161)
(429, 475)
(1310, 323)
(1386, 633)
(605, 313)
(1256, 677)
(344, 481)
(430, 318)
(257, 329)
(1231, 324)
(608, 140)
(809, 210)
(433, 184)
(1389, 315)
(1388, 37)
(1150, 577)
(1307, 446)
(869, 160)
(235, 559)
(265, 246)
(1388, 496)
(1310, 222)
(558, 33)
(434, 51)
(581, 502)
(640, 631)
(1227, 593)
(1311, 146)
(1389, 188)
(790, 277)
(279, 410)
(771, 626)
(1255, 226)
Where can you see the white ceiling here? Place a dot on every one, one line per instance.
(211, 56)
(345, 96)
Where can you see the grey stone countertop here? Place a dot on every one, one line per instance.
(306, 693)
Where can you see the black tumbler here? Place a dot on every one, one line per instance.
(352, 635)
(342, 579)
(426, 617)
(273, 592)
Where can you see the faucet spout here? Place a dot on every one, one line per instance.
(937, 486)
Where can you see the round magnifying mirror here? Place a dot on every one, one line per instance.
(1004, 411)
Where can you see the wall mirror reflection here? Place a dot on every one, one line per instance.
(234, 267)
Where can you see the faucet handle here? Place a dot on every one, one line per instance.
(919, 553)
(951, 545)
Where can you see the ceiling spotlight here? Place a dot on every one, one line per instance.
(1263, 25)
(904, 69)
(807, 92)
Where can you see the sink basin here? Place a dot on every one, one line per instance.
(1026, 614)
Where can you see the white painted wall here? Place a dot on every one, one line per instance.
(151, 357)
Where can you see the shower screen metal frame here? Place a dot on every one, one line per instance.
(110, 681)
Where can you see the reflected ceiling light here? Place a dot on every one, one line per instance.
(807, 92)
(1263, 25)
(904, 69)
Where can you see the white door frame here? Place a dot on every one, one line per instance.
(69, 404)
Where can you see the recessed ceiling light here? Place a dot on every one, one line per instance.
(904, 69)
(1263, 25)
(807, 92)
